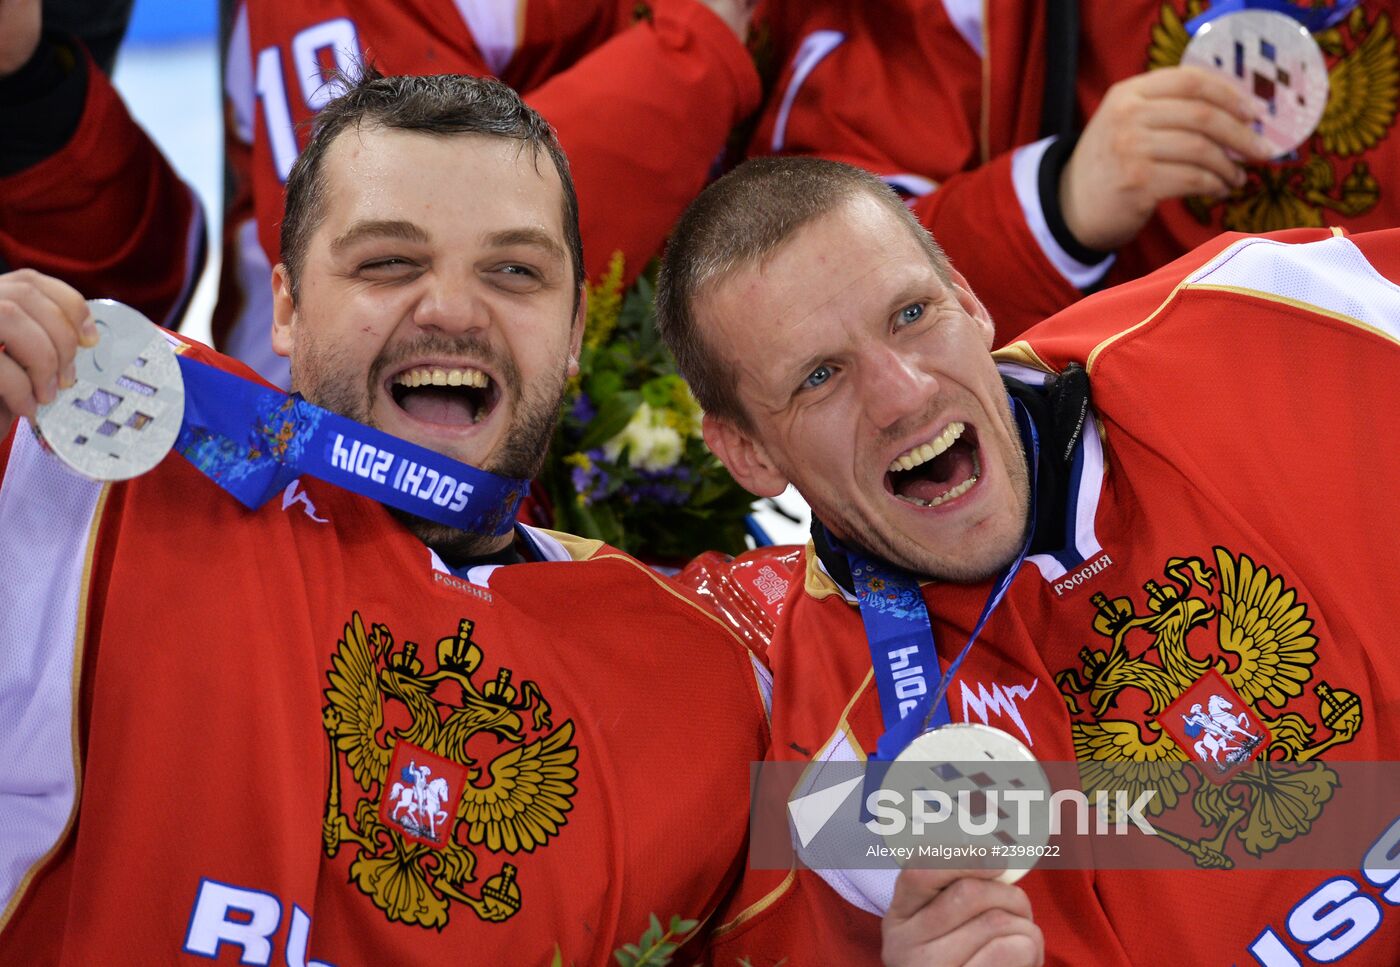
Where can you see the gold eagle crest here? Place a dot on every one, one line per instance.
(1264, 648)
(512, 803)
(1364, 80)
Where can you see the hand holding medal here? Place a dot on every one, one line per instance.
(42, 323)
(981, 794)
(1266, 49)
(124, 410)
(131, 398)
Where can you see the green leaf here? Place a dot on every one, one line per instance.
(660, 391)
(682, 927)
(652, 936)
(613, 415)
(604, 384)
(558, 960)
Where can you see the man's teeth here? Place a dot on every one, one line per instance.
(434, 376)
(952, 494)
(927, 451)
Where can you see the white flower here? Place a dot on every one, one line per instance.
(666, 449)
(650, 443)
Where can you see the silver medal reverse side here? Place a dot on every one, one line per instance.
(1273, 59)
(965, 770)
(124, 412)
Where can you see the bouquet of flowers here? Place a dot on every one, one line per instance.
(628, 464)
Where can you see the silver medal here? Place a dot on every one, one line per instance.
(979, 787)
(1272, 58)
(124, 412)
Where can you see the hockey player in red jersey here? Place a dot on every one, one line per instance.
(323, 731)
(1124, 164)
(1168, 483)
(643, 97)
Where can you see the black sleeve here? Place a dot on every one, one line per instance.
(1052, 166)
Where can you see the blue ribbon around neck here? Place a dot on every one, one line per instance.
(253, 441)
(1312, 18)
(900, 635)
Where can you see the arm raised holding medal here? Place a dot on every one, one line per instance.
(217, 708)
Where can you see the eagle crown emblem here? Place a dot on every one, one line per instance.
(418, 836)
(1264, 652)
(1298, 191)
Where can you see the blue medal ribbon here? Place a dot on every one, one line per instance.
(1312, 18)
(900, 635)
(253, 441)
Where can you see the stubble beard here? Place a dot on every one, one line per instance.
(520, 455)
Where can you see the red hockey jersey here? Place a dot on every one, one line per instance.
(943, 98)
(106, 214)
(1222, 526)
(643, 97)
(293, 736)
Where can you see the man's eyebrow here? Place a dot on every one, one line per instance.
(378, 228)
(534, 237)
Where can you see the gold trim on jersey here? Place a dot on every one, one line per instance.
(665, 584)
(579, 548)
(758, 906)
(1022, 353)
(842, 733)
(1098, 350)
(843, 725)
(817, 583)
(79, 649)
(1236, 290)
(1297, 304)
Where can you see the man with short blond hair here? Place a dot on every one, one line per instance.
(1089, 569)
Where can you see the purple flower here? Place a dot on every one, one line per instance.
(583, 479)
(583, 409)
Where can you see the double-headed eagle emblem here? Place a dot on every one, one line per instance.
(518, 775)
(1364, 80)
(1264, 649)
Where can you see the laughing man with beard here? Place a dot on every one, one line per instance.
(218, 720)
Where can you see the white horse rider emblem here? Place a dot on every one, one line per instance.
(1220, 731)
(419, 799)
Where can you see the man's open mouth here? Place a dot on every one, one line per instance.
(939, 470)
(447, 395)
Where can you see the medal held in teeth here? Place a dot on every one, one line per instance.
(122, 415)
(963, 773)
(1273, 59)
